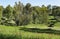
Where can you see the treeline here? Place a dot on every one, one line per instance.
(23, 15)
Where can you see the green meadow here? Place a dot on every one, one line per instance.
(31, 31)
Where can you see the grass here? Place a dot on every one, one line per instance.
(31, 31)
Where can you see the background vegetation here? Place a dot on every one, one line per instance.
(23, 15)
(29, 22)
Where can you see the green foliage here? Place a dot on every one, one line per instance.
(17, 12)
(7, 12)
(40, 14)
(23, 15)
(5, 21)
(1, 11)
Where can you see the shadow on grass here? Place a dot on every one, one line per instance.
(36, 30)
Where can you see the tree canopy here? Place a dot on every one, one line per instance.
(26, 14)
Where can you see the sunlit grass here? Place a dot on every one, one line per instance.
(14, 32)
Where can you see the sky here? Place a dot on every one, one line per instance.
(32, 2)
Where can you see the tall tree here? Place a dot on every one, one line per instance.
(27, 12)
(1, 11)
(8, 12)
(18, 9)
(49, 7)
(44, 14)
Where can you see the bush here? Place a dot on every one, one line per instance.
(5, 21)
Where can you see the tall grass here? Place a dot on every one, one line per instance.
(28, 32)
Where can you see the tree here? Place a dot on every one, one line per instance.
(27, 12)
(56, 12)
(49, 7)
(44, 14)
(36, 14)
(1, 11)
(8, 12)
(18, 9)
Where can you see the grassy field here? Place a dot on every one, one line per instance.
(31, 31)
